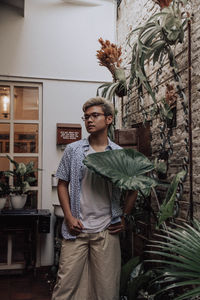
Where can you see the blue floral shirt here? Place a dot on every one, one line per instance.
(71, 169)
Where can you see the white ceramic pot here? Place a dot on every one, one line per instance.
(2, 202)
(18, 201)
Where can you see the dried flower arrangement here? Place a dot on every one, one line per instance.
(109, 56)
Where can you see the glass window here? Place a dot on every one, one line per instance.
(26, 103)
(26, 138)
(20, 131)
(20, 139)
(4, 102)
(4, 138)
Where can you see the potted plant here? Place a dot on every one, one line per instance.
(4, 191)
(23, 175)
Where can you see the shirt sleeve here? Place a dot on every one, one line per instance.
(63, 171)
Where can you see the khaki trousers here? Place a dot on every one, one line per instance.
(89, 268)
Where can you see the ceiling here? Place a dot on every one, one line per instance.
(18, 5)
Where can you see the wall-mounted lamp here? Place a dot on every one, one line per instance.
(6, 102)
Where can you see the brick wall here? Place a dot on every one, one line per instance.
(134, 13)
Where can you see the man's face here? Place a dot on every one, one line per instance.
(96, 121)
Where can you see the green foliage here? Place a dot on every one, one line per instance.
(118, 87)
(23, 176)
(111, 132)
(167, 207)
(160, 166)
(165, 111)
(125, 168)
(128, 170)
(126, 271)
(134, 279)
(4, 188)
(180, 266)
(155, 40)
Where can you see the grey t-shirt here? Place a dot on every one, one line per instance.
(95, 203)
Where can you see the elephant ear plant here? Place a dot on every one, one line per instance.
(129, 169)
(125, 168)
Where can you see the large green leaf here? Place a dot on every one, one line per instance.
(126, 271)
(126, 168)
(167, 207)
(180, 249)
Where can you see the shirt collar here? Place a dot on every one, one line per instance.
(86, 144)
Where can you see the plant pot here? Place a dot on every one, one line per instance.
(18, 201)
(2, 202)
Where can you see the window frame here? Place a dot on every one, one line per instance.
(12, 122)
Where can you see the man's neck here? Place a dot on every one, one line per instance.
(98, 142)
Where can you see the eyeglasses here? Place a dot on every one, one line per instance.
(93, 116)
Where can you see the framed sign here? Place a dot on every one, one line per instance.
(68, 133)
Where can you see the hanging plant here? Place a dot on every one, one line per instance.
(109, 57)
(155, 40)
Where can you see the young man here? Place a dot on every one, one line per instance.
(90, 257)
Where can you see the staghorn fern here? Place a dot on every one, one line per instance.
(155, 40)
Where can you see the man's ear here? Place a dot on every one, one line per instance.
(109, 119)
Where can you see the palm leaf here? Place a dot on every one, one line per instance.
(179, 250)
(167, 207)
(181, 257)
(193, 293)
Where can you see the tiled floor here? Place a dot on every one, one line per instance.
(24, 287)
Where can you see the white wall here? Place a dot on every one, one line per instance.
(55, 44)
(62, 104)
(55, 39)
